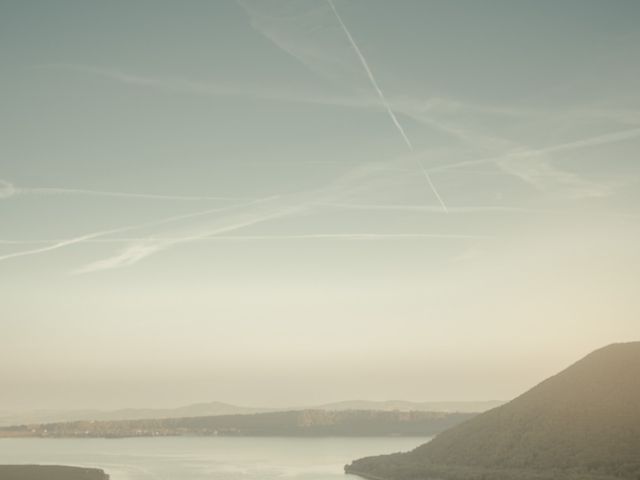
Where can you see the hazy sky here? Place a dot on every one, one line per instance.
(293, 202)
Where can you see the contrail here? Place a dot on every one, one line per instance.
(604, 139)
(8, 189)
(103, 193)
(350, 236)
(103, 233)
(372, 78)
(305, 236)
(433, 187)
(433, 209)
(140, 250)
(61, 244)
(384, 101)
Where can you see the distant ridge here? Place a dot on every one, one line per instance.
(220, 408)
(296, 423)
(406, 406)
(195, 410)
(582, 423)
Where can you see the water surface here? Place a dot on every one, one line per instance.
(206, 458)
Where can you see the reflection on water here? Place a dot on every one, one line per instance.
(200, 458)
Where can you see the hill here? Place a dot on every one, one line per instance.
(31, 417)
(406, 406)
(195, 410)
(295, 423)
(50, 472)
(581, 423)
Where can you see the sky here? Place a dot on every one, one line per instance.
(283, 202)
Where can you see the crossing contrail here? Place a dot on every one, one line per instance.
(384, 101)
(62, 243)
(96, 235)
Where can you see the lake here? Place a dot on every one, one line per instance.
(200, 458)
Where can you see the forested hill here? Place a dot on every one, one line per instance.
(50, 472)
(582, 422)
(294, 423)
(207, 409)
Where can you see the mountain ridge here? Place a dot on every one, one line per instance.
(584, 420)
(222, 408)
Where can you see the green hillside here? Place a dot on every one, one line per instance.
(50, 472)
(581, 423)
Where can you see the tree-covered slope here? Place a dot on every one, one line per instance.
(583, 421)
(50, 472)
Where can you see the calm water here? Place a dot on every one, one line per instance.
(213, 458)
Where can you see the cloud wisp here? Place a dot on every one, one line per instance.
(293, 236)
(534, 167)
(520, 152)
(189, 86)
(61, 244)
(416, 108)
(141, 249)
(308, 17)
(542, 175)
(506, 154)
(232, 218)
(308, 31)
(7, 189)
(355, 180)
